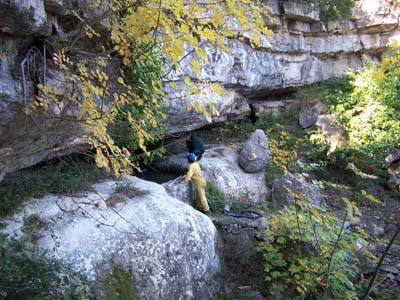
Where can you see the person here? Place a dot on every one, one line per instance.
(194, 145)
(195, 175)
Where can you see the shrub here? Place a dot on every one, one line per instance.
(307, 252)
(333, 9)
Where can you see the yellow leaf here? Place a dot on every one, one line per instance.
(195, 66)
(378, 75)
(173, 84)
(187, 80)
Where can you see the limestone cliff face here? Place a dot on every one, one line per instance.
(26, 28)
(302, 50)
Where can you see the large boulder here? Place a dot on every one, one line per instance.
(284, 188)
(219, 166)
(255, 152)
(168, 249)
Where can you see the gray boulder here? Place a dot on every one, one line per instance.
(168, 249)
(284, 187)
(219, 166)
(255, 152)
(309, 114)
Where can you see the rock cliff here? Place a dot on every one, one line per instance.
(302, 50)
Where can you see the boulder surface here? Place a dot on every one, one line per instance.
(284, 188)
(219, 166)
(168, 249)
(255, 152)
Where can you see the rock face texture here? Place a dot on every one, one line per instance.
(255, 152)
(332, 132)
(243, 263)
(284, 188)
(302, 50)
(168, 249)
(27, 29)
(219, 166)
(309, 114)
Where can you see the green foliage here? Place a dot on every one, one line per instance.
(143, 75)
(369, 110)
(333, 9)
(272, 171)
(332, 90)
(26, 273)
(366, 104)
(118, 286)
(300, 253)
(215, 197)
(58, 176)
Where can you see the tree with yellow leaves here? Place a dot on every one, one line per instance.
(119, 87)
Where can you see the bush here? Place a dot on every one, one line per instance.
(369, 110)
(301, 254)
(333, 9)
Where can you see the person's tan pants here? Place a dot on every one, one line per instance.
(201, 197)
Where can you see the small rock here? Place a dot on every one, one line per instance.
(67, 204)
(390, 269)
(393, 156)
(309, 115)
(255, 152)
(376, 231)
(332, 132)
(347, 225)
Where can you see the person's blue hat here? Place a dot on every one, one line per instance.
(191, 156)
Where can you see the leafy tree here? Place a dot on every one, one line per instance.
(120, 78)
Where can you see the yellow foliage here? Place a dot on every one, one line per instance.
(182, 28)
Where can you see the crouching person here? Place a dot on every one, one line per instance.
(196, 177)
